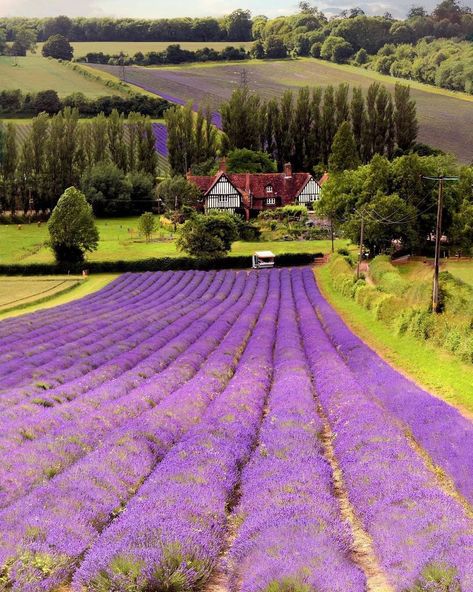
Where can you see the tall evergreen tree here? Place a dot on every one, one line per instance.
(405, 117)
(344, 155)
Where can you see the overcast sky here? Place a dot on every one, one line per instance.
(164, 8)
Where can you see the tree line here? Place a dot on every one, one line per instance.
(173, 54)
(441, 62)
(113, 159)
(16, 102)
(235, 26)
(301, 128)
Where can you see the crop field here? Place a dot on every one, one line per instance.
(16, 292)
(32, 74)
(192, 430)
(81, 48)
(446, 118)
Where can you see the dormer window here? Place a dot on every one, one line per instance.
(269, 189)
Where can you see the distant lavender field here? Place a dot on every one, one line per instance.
(439, 111)
(181, 428)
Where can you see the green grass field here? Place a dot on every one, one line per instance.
(445, 117)
(437, 371)
(418, 270)
(81, 48)
(33, 73)
(15, 292)
(119, 240)
(78, 287)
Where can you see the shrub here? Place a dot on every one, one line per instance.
(437, 577)
(153, 264)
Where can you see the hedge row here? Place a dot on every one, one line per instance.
(154, 264)
(405, 306)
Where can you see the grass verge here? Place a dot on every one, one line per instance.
(438, 372)
(77, 290)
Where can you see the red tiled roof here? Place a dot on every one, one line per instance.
(323, 179)
(284, 187)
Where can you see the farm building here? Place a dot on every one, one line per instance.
(251, 193)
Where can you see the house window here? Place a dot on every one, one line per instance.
(269, 188)
(270, 201)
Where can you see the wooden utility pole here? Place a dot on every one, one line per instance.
(438, 238)
(331, 232)
(362, 236)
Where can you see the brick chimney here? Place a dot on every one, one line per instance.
(288, 170)
(223, 165)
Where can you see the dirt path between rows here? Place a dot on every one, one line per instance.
(362, 550)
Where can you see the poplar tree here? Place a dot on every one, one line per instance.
(240, 119)
(99, 138)
(328, 122)
(272, 116)
(369, 132)
(68, 147)
(147, 157)
(344, 155)
(8, 167)
(342, 106)
(357, 112)
(284, 137)
(211, 136)
(116, 139)
(301, 125)
(405, 117)
(382, 122)
(315, 140)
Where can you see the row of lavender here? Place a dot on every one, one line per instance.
(235, 398)
(44, 533)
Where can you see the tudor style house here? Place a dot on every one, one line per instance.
(251, 193)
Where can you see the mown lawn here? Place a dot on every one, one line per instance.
(119, 240)
(437, 371)
(34, 73)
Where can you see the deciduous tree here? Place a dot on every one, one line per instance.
(72, 228)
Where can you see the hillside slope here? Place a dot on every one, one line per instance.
(446, 118)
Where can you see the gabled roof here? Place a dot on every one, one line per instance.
(256, 183)
(323, 179)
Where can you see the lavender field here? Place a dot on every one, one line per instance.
(198, 431)
(439, 111)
